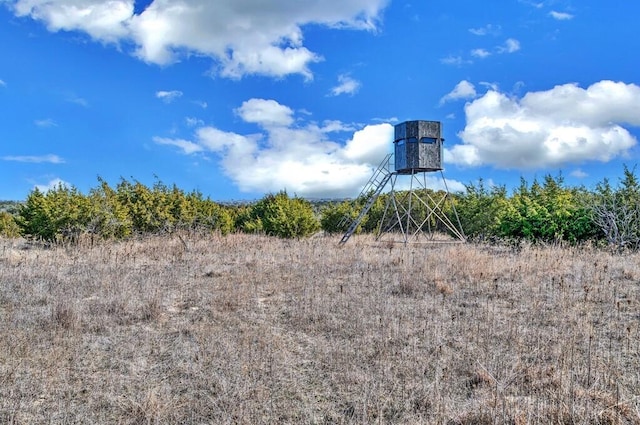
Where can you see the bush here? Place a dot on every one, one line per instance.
(110, 219)
(282, 216)
(336, 217)
(616, 212)
(8, 226)
(61, 213)
(210, 215)
(549, 212)
(479, 209)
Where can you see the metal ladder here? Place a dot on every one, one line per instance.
(372, 189)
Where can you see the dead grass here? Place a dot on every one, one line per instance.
(252, 330)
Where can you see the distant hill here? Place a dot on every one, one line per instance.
(9, 206)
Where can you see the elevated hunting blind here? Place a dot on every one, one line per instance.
(418, 147)
(414, 211)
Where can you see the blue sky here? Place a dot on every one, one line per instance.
(238, 98)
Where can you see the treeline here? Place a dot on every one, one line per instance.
(132, 208)
(545, 211)
(540, 211)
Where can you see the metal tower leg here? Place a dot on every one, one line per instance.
(412, 215)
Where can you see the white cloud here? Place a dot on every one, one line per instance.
(510, 46)
(103, 20)
(45, 123)
(346, 85)
(579, 174)
(560, 16)
(53, 159)
(538, 5)
(293, 154)
(2, 83)
(387, 120)
(266, 113)
(52, 185)
(369, 145)
(247, 37)
(186, 146)
(192, 122)
(331, 126)
(566, 124)
(168, 96)
(486, 30)
(489, 86)
(480, 53)
(462, 90)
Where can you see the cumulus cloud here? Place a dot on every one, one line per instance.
(103, 20)
(346, 85)
(560, 16)
(52, 159)
(289, 152)
(168, 96)
(52, 185)
(567, 124)
(462, 90)
(368, 145)
(265, 112)
(242, 37)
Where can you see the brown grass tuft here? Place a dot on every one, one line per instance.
(64, 315)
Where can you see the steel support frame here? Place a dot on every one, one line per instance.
(400, 224)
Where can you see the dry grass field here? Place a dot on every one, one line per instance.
(254, 330)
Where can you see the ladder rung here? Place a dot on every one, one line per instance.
(376, 185)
